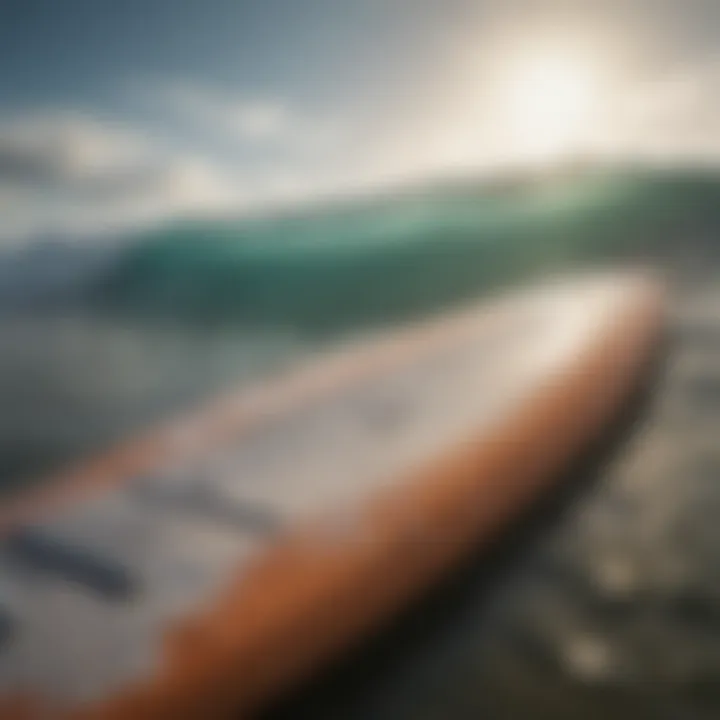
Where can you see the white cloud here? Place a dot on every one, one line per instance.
(672, 116)
(74, 173)
(250, 120)
(67, 148)
(78, 175)
(71, 173)
(260, 121)
(271, 124)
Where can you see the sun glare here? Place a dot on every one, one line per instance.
(551, 103)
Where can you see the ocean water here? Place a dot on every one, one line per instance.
(77, 383)
(97, 343)
(613, 609)
(95, 348)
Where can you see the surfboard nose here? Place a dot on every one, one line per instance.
(154, 583)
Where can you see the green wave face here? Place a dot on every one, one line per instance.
(397, 257)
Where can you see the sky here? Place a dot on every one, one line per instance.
(119, 114)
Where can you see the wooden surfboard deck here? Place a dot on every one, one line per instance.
(197, 572)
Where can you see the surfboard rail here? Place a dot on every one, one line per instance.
(319, 583)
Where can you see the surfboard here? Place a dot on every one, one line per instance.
(201, 570)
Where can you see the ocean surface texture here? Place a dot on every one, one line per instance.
(615, 605)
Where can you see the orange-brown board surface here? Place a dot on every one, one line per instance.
(197, 572)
